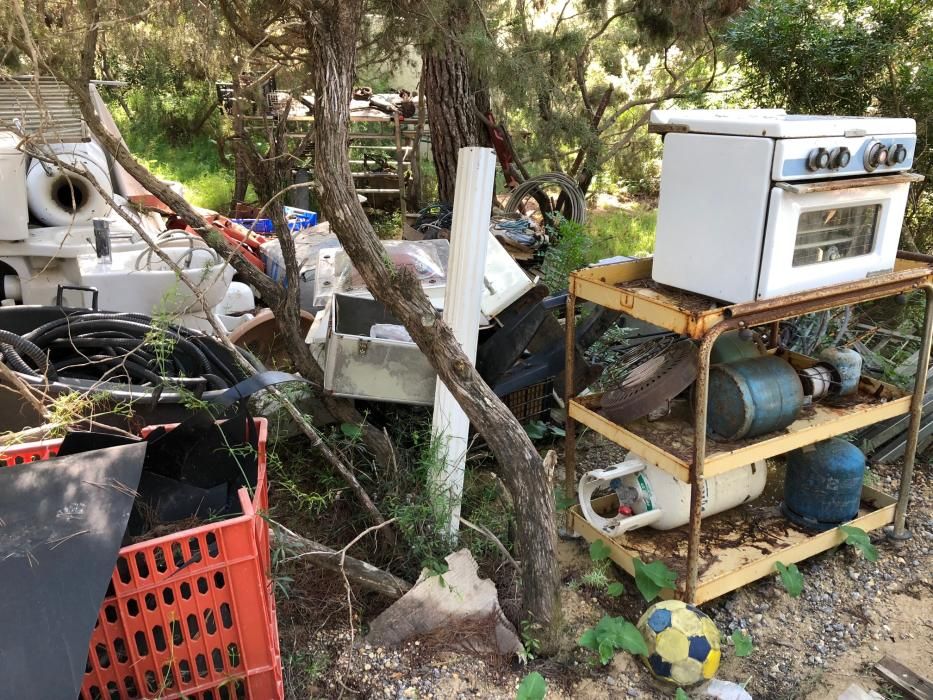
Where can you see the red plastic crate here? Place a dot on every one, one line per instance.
(188, 615)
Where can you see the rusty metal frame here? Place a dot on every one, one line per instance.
(912, 274)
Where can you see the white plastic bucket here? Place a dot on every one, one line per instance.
(663, 501)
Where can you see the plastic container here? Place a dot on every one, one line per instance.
(298, 219)
(823, 485)
(752, 397)
(660, 500)
(187, 615)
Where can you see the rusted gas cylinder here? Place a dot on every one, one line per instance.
(752, 397)
(823, 484)
(847, 369)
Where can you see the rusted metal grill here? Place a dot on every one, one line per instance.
(41, 105)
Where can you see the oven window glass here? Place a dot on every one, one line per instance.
(832, 234)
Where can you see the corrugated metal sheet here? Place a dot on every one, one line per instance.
(41, 105)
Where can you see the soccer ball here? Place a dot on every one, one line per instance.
(683, 643)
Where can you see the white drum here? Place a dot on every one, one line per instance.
(60, 197)
(658, 499)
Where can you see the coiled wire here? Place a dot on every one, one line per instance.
(575, 208)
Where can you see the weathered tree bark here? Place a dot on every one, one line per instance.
(451, 93)
(362, 573)
(333, 37)
(271, 292)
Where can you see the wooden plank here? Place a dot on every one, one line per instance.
(914, 685)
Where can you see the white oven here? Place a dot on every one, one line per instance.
(757, 204)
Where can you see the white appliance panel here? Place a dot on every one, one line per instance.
(776, 123)
(780, 275)
(790, 156)
(711, 215)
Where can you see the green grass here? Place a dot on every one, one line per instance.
(196, 165)
(622, 232)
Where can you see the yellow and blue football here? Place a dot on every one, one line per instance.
(683, 643)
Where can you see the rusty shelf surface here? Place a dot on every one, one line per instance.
(628, 287)
(668, 443)
(739, 546)
(729, 550)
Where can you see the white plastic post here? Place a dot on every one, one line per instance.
(469, 235)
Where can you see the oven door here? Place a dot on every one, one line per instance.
(826, 233)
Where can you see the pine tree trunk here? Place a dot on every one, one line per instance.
(450, 92)
(333, 44)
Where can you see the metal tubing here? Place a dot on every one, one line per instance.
(699, 455)
(916, 413)
(570, 427)
(829, 297)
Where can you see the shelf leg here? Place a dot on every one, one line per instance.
(570, 426)
(699, 459)
(916, 413)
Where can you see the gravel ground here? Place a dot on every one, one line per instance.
(852, 612)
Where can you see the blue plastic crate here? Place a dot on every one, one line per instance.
(298, 219)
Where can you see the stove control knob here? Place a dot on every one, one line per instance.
(897, 154)
(839, 158)
(818, 159)
(875, 154)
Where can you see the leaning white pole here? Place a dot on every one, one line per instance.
(469, 238)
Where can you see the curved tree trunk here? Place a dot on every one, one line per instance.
(333, 45)
(451, 94)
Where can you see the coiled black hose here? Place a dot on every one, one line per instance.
(97, 346)
(16, 346)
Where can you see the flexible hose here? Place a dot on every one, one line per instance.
(21, 346)
(105, 346)
(533, 187)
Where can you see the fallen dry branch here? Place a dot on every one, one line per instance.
(361, 573)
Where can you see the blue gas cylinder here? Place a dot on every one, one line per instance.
(823, 484)
(752, 397)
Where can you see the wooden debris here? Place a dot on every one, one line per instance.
(897, 673)
(363, 574)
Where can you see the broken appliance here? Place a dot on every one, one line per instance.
(61, 241)
(650, 497)
(756, 204)
(503, 280)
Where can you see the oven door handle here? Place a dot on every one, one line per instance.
(831, 185)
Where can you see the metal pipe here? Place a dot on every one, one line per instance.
(570, 427)
(915, 257)
(916, 414)
(844, 292)
(699, 454)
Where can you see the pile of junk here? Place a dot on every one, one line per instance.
(153, 512)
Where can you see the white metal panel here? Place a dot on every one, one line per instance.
(775, 123)
(711, 216)
(12, 189)
(504, 281)
(778, 276)
(790, 156)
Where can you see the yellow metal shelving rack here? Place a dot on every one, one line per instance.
(741, 546)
